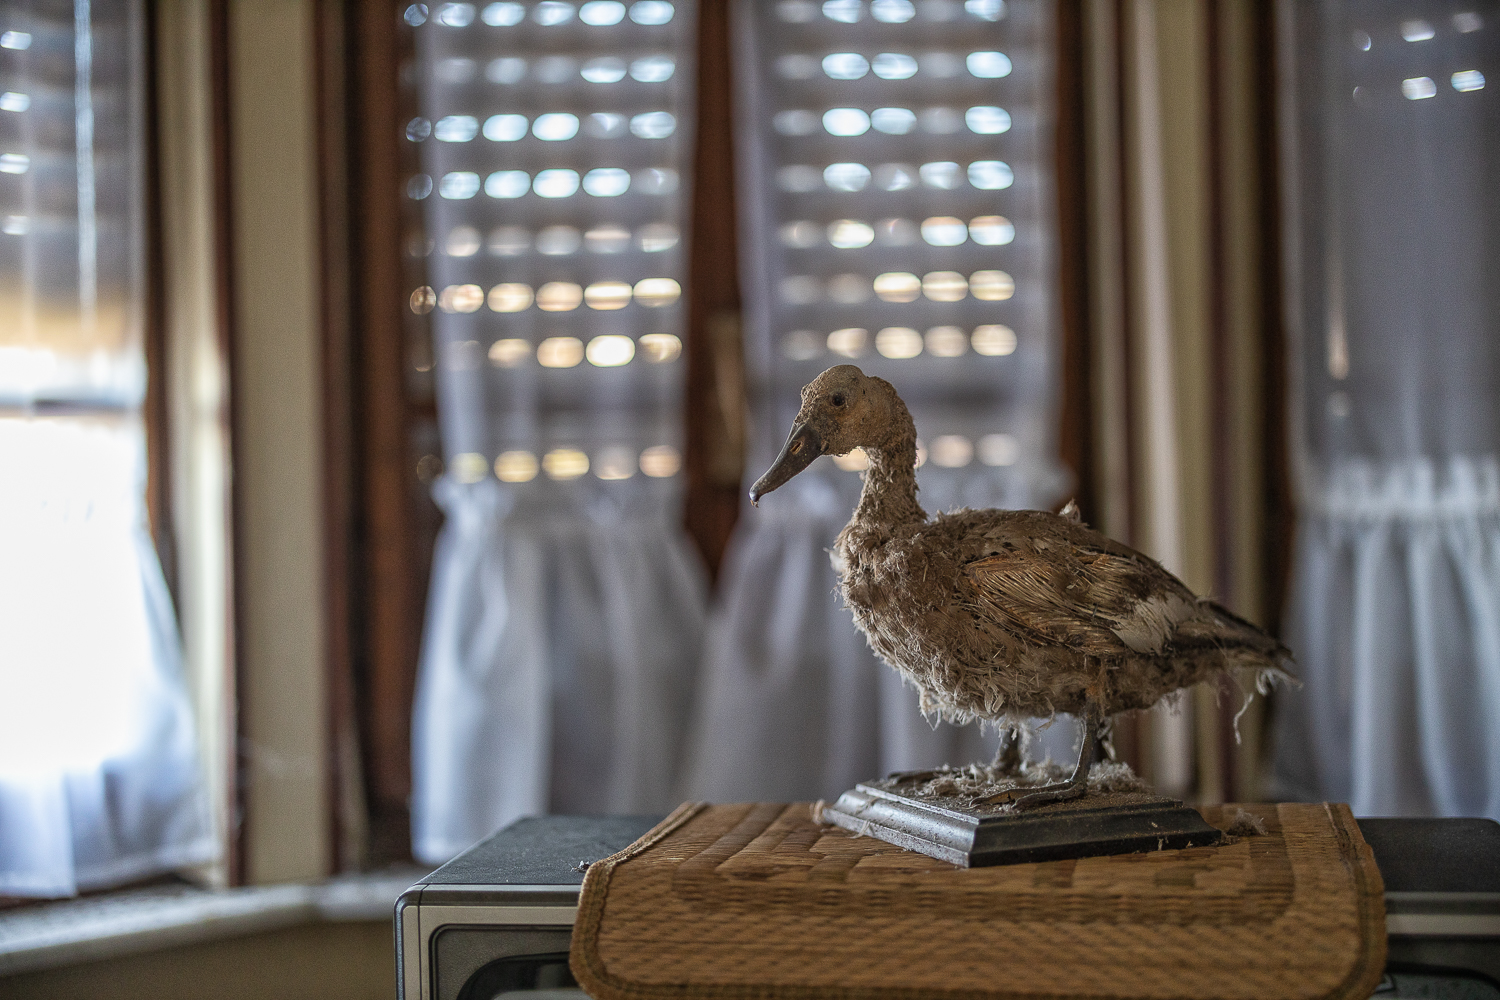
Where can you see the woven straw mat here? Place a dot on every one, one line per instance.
(757, 900)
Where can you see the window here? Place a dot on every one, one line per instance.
(98, 766)
(553, 149)
(895, 187)
(1391, 140)
(554, 142)
(900, 219)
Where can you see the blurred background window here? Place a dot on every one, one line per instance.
(1055, 227)
(565, 616)
(99, 771)
(896, 187)
(1390, 143)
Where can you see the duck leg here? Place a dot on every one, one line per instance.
(1061, 791)
(1107, 739)
(1008, 754)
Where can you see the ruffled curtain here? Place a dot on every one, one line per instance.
(1395, 604)
(558, 662)
(567, 605)
(948, 176)
(99, 770)
(99, 767)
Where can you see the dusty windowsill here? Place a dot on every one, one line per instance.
(70, 931)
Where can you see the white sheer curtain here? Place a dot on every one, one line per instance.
(1392, 130)
(99, 770)
(567, 605)
(896, 192)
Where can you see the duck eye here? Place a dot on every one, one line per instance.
(838, 399)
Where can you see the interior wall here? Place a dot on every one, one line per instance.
(278, 407)
(1245, 401)
(196, 378)
(326, 961)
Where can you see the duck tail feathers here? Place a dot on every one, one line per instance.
(1239, 639)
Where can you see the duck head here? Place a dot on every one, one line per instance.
(842, 409)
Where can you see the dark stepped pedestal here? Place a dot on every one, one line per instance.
(973, 837)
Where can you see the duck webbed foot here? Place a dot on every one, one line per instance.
(1060, 791)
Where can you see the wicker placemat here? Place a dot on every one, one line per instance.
(757, 900)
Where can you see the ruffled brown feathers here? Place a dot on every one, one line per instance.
(1002, 615)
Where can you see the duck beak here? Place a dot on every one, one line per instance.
(802, 446)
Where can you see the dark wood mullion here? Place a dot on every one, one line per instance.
(1278, 515)
(331, 103)
(714, 390)
(388, 608)
(1076, 435)
(223, 223)
(1129, 743)
(155, 409)
(1123, 59)
(1220, 415)
(1221, 437)
(1278, 508)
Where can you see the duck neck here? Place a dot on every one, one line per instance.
(889, 497)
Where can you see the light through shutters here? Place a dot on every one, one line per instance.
(567, 607)
(553, 138)
(900, 218)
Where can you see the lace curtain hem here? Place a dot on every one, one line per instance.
(1395, 618)
(558, 664)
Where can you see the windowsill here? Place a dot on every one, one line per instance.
(71, 931)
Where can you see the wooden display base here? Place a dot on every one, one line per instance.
(977, 836)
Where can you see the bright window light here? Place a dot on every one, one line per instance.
(556, 183)
(653, 69)
(550, 13)
(843, 11)
(893, 121)
(894, 66)
(602, 13)
(505, 128)
(507, 184)
(846, 66)
(456, 128)
(988, 65)
(502, 15)
(991, 175)
(651, 12)
(653, 125)
(846, 176)
(893, 11)
(846, 121)
(1468, 80)
(987, 120)
(604, 69)
(1418, 88)
(459, 185)
(454, 15)
(555, 127)
(606, 182)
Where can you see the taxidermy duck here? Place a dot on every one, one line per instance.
(1002, 615)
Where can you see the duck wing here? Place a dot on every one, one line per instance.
(1059, 583)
